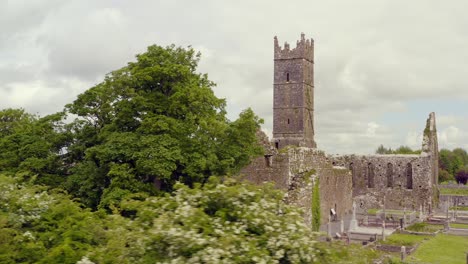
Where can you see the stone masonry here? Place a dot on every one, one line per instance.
(293, 93)
(293, 163)
(404, 181)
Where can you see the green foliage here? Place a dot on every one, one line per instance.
(41, 227)
(400, 150)
(452, 162)
(150, 124)
(316, 216)
(219, 222)
(445, 176)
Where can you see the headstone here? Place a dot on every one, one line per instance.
(403, 253)
(383, 230)
(353, 223)
(341, 226)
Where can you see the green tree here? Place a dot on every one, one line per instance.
(32, 145)
(150, 124)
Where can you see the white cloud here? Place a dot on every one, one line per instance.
(372, 58)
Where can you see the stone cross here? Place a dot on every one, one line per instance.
(353, 223)
(383, 230)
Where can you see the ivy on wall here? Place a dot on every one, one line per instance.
(316, 206)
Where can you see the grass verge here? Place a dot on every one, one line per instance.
(441, 249)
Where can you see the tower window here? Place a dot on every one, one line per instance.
(288, 121)
(287, 77)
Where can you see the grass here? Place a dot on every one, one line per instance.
(372, 211)
(424, 227)
(388, 212)
(449, 191)
(455, 225)
(404, 239)
(441, 249)
(459, 208)
(354, 253)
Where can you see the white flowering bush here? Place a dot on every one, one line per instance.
(225, 222)
(40, 226)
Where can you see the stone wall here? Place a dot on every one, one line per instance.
(404, 180)
(295, 170)
(453, 200)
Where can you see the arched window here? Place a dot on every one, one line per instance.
(353, 174)
(287, 77)
(370, 175)
(409, 176)
(389, 175)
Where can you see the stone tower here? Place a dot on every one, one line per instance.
(293, 102)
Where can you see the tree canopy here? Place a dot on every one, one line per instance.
(146, 126)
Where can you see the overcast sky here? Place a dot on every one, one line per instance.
(380, 66)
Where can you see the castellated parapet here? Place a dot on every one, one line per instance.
(304, 50)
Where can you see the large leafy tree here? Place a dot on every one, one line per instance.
(152, 123)
(31, 145)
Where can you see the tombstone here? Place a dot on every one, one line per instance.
(341, 226)
(447, 206)
(353, 223)
(383, 230)
(403, 253)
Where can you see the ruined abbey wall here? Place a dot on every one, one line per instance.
(402, 181)
(295, 170)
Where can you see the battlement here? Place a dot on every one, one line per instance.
(304, 50)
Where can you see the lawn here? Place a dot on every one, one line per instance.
(455, 225)
(424, 227)
(449, 191)
(404, 239)
(441, 249)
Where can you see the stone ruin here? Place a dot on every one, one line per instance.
(294, 164)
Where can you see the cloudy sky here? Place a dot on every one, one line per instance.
(380, 66)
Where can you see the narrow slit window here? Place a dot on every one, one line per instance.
(390, 175)
(287, 77)
(370, 175)
(288, 121)
(409, 176)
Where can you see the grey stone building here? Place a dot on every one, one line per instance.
(294, 164)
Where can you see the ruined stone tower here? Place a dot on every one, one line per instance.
(293, 103)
